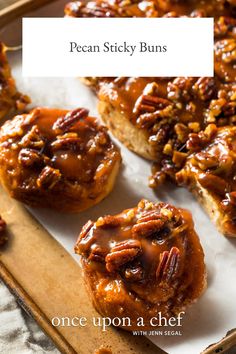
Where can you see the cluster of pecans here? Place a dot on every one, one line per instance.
(213, 157)
(203, 101)
(153, 223)
(141, 8)
(36, 150)
(33, 154)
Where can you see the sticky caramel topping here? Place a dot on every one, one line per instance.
(212, 164)
(152, 8)
(10, 98)
(152, 250)
(169, 109)
(57, 150)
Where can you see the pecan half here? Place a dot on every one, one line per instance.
(97, 254)
(149, 215)
(66, 122)
(30, 158)
(3, 237)
(110, 221)
(68, 141)
(122, 253)
(33, 139)
(168, 265)
(48, 178)
(86, 228)
(149, 103)
(85, 240)
(148, 228)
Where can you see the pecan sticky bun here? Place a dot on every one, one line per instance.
(57, 158)
(143, 261)
(210, 173)
(154, 116)
(10, 99)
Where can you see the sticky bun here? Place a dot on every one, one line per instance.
(210, 174)
(10, 99)
(154, 116)
(57, 158)
(141, 262)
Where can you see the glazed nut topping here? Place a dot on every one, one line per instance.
(227, 50)
(33, 139)
(147, 228)
(48, 177)
(121, 254)
(205, 88)
(168, 265)
(150, 104)
(213, 169)
(65, 122)
(29, 157)
(67, 141)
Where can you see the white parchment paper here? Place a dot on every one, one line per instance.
(214, 314)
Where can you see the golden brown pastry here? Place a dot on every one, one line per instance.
(59, 159)
(154, 116)
(143, 261)
(10, 99)
(210, 173)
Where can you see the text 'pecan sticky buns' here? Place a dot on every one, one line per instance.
(210, 173)
(57, 158)
(145, 260)
(10, 99)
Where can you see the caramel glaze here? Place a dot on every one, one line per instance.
(145, 260)
(169, 109)
(10, 98)
(56, 158)
(212, 166)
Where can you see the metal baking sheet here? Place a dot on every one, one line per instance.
(214, 314)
